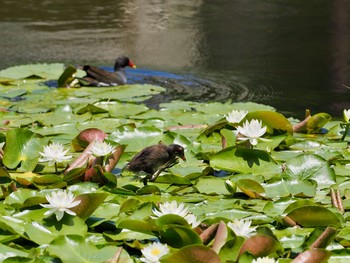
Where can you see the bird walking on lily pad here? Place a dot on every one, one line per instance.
(154, 159)
(99, 77)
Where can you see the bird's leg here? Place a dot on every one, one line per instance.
(168, 164)
(145, 180)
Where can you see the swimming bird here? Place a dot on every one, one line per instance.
(99, 77)
(154, 159)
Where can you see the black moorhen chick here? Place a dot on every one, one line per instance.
(154, 159)
(99, 77)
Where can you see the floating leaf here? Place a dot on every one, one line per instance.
(242, 160)
(138, 226)
(311, 166)
(89, 202)
(179, 236)
(317, 121)
(193, 254)
(272, 119)
(313, 256)
(67, 77)
(22, 146)
(44, 233)
(9, 252)
(251, 188)
(92, 109)
(171, 219)
(135, 92)
(137, 138)
(314, 216)
(211, 186)
(261, 245)
(25, 198)
(79, 249)
(282, 187)
(45, 71)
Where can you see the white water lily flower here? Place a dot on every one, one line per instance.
(60, 202)
(242, 227)
(2, 145)
(102, 149)
(153, 252)
(54, 153)
(346, 114)
(251, 131)
(192, 220)
(264, 260)
(236, 116)
(170, 208)
(176, 209)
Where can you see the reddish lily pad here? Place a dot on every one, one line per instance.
(261, 245)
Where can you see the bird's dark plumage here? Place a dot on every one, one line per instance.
(99, 77)
(153, 158)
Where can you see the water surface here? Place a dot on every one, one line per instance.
(289, 54)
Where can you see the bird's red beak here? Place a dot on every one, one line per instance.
(183, 158)
(132, 64)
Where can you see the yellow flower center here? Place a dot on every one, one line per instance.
(155, 252)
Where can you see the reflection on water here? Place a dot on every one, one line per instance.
(289, 54)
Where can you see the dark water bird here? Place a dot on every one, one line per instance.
(99, 77)
(154, 159)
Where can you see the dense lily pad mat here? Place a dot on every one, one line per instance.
(293, 186)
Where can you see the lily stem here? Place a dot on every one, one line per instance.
(346, 126)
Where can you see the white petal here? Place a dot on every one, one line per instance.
(73, 204)
(47, 205)
(70, 212)
(50, 212)
(253, 141)
(59, 215)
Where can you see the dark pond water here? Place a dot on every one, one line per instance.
(291, 54)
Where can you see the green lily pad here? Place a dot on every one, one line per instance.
(22, 147)
(314, 216)
(311, 166)
(251, 188)
(193, 254)
(272, 120)
(179, 236)
(317, 121)
(136, 138)
(45, 233)
(44, 71)
(244, 160)
(211, 186)
(8, 252)
(79, 249)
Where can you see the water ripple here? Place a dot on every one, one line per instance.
(188, 87)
